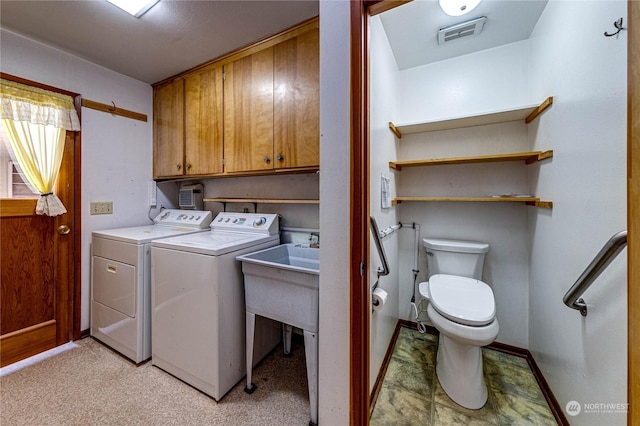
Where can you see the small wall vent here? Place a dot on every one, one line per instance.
(463, 29)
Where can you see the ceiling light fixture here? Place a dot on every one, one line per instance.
(458, 7)
(135, 8)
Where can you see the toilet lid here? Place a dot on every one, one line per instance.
(463, 300)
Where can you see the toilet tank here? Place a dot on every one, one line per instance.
(455, 257)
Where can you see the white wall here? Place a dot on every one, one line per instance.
(382, 85)
(335, 206)
(583, 358)
(116, 151)
(460, 86)
(485, 81)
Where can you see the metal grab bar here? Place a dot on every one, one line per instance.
(383, 256)
(606, 255)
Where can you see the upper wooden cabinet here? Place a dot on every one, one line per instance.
(203, 122)
(248, 113)
(296, 75)
(255, 110)
(271, 107)
(188, 125)
(168, 129)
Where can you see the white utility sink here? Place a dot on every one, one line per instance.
(282, 283)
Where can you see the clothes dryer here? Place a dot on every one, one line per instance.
(198, 317)
(121, 279)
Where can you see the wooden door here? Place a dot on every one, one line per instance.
(248, 113)
(633, 216)
(203, 122)
(37, 270)
(168, 129)
(297, 101)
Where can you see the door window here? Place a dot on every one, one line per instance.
(12, 181)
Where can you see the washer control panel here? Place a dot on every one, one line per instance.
(188, 218)
(258, 223)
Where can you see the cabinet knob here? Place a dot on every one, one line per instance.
(280, 157)
(266, 159)
(188, 166)
(179, 166)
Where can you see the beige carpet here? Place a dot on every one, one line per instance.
(89, 384)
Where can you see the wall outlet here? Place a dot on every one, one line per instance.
(101, 207)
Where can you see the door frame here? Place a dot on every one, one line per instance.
(359, 238)
(70, 329)
(633, 213)
(359, 316)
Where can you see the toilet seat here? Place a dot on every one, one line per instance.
(463, 300)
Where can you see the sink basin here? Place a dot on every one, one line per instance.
(281, 283)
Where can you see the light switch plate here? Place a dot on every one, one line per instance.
(101, 207)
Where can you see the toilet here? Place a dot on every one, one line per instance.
(462, 309)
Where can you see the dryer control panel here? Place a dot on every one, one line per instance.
(256, 223)
(187, 218)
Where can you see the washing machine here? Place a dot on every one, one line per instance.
(197, 294)
(121, 279)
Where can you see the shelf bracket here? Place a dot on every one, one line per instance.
(395, 130)
(536, 112)
(541, 204)
(542, 156)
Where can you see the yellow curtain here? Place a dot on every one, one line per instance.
(36, 121)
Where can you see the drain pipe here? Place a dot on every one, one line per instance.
(416, 226)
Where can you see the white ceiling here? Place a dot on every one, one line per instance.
(176, 35)
(173, 36)
(412, 29)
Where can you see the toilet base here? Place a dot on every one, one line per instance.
(459, 370)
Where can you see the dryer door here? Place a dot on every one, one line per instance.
(114, 285)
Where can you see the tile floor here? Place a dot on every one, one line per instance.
(411, 394)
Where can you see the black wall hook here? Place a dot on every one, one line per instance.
(618, 25)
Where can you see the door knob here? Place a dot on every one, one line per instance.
(63, 229)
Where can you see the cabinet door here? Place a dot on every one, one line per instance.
(168, 129)
(203, 122)
(297, 101)
(248, 113)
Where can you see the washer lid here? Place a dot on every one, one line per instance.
(214, 243)
(461, 299)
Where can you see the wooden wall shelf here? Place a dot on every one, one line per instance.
(528, 157)
(528, 113)
(260, 200)
(530, 201)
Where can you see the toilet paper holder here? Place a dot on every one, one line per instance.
(374, 301)
(378, 299)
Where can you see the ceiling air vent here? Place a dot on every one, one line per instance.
(463, 29)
